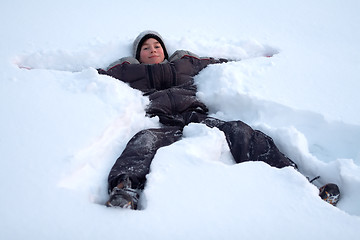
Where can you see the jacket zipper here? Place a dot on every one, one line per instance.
(151, 78)
(174, 74)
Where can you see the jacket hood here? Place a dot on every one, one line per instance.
(142, 37)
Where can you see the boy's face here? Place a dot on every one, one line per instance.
(151, 52)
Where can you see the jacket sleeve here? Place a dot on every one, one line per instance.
(110, 69)
(179, 54)
(129, 70)
(189, 64)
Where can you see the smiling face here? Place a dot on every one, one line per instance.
(151, 52)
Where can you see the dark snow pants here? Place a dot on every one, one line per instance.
(245, 144)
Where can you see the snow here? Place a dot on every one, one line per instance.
(63, 125)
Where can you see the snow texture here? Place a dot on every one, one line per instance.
(63, 125)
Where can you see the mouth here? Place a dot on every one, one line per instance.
(154, 56)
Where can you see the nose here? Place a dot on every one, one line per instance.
(153, 49)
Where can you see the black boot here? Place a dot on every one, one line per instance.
(330, 193)
(123, 196)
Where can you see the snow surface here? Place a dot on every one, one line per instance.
(63, 125)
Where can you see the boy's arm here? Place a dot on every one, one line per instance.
(124, 60)
(184, 53)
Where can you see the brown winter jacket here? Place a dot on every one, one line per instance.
(169, 85)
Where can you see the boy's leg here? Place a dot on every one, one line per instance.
(134, 162)
(247, 144)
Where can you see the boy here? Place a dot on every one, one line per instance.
(169, 83)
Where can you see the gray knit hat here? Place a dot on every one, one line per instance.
(145, 35)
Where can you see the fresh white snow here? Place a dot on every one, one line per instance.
(62, 125)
